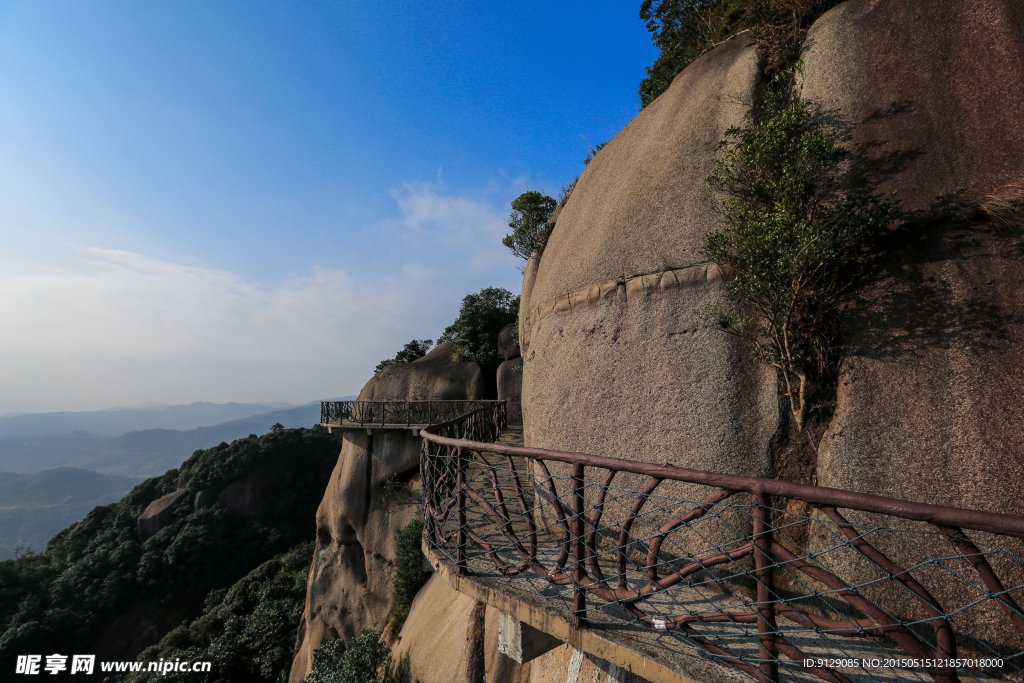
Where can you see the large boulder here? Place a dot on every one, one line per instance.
(510, 388)
(159, 513)
(435, 376)
(352, 574)
(929, 403)
(617, 360)
(508, 343)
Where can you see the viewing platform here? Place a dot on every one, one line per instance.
(349, 416)
(759, 579)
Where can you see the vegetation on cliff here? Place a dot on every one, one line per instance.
(481, 317)
(363, 660)
(529, 223)
(247, 632)
(794, 242)
(409, 574)
(683, 30)
(413, 350)
(95, 570)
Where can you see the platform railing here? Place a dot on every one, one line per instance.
(408, 413)
(767, 576)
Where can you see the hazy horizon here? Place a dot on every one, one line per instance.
(251, 202)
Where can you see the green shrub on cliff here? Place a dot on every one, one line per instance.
(481, 317)
(793, 240)
(363, 660)
(530, 213)
(413, 350)
(247, 632)
(409, 574)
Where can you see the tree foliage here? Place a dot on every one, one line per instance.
(409, 574)
(413, 350)
(530, 213)
(98, 568)
(794, 241)
(247, 632)
(362, 660)
(481, 317)
(683, 30)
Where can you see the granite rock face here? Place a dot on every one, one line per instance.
(442, 640)
(617, 361)
(435, 376)
(350, 580)
(510, 388)
(159, 513)
(928, 408)
(508, 345)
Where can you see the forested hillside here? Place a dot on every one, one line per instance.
(98, 576)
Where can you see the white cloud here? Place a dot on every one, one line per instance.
(110, 327)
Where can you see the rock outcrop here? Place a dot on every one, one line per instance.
(442, 639)
(434, 376)
(617, 360)
(510, 374)
(350, 580)
(928, 406)
(510, 388)
(159, 513)
(508, 343)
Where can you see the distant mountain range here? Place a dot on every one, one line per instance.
(142, 453)
(120, 421)
(33, 507)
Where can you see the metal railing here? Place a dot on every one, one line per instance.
(408, 413)
(764, 574)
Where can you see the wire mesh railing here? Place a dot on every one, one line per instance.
(773, 578)
(408, 413)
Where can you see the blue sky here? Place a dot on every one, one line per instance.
(246, 201)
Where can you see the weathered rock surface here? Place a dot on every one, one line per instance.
(566, 664)
(510, 388)
(350, 580)
(434, 376)
(930, 94)
(442, 640)
(617, 361)
(929, 403)
(508, 345)
(203, 499)
(159, 514)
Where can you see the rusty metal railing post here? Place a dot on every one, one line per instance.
(579, 599)
(460, 496)
(766, 627)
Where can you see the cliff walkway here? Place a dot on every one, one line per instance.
(679, 574)
(346, 415)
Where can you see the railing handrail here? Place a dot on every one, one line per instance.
(977, 520)
(578, 564)
(387, 412)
